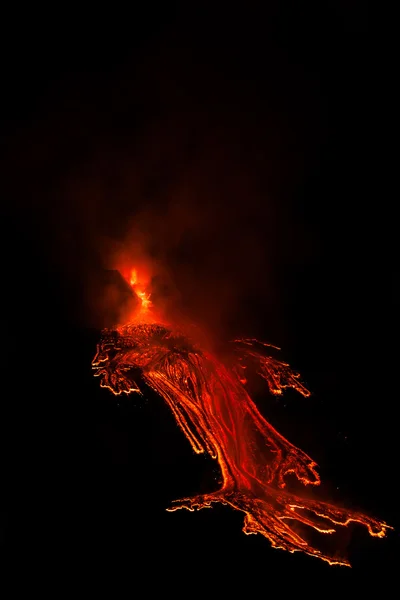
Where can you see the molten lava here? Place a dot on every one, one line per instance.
(217, 415)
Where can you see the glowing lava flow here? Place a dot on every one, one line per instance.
(217, 415)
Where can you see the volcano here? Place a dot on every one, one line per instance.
(209, 399)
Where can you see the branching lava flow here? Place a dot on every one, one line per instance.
(214, 410)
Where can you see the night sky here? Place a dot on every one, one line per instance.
(241, 147)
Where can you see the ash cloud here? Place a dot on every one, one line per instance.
(173, 161)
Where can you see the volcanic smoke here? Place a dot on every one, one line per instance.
(213, 408)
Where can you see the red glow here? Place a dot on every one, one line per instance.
(217, 415)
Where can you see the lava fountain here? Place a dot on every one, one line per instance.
(213, 408)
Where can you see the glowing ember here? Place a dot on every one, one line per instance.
(217, 415)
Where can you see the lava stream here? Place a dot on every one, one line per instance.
(215, 412)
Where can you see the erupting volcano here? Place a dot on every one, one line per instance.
(213, 408)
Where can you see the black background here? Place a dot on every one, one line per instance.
(289, 94)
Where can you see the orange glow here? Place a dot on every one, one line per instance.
(214, 410)
(133, 279)
(140, 284)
